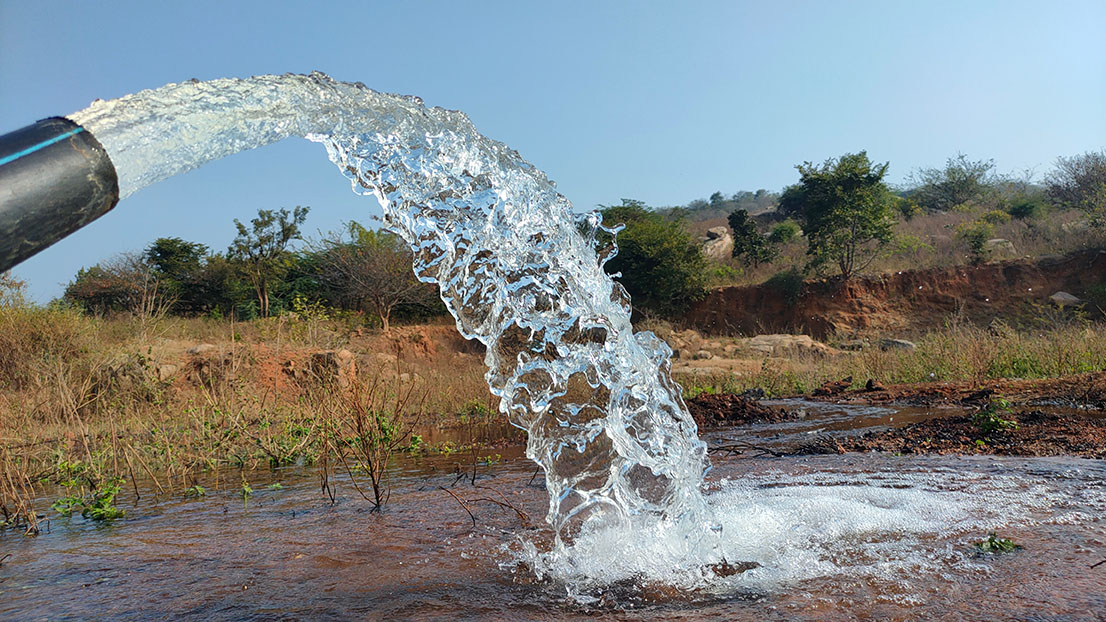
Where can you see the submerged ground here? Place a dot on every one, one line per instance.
(857, 536)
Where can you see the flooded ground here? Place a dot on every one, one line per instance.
(288, 553)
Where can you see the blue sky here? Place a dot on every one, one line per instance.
(660, 101)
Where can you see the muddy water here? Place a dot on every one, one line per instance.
(291, 554)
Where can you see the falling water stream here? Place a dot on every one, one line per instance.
(623, 465)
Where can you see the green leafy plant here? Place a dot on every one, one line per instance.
(195, 491)
(97, 505)
(991, 419)
(246, 492)
(996, 545)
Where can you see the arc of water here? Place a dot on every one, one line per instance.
(515, 267)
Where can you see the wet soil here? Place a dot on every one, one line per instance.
(727, 409)
(1038, 433)
(1082, 390)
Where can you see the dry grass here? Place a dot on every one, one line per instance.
(83, 402)
(958, 351)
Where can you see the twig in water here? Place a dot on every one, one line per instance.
(536, 471)
(1098, 564)
(522, 516)
(471, 515)
(4, 558)
(736, 446)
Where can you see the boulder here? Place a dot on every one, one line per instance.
(897, 344)
(717, 233)
(166, 371)
(1000, 248)
(330, 366)
(703, 355)
(202, 348)
(1064, 299)
(1076, 227)
(853, 345)
(719, 244)
(775, 344)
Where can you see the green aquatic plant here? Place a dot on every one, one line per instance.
(246, 492)
(195, 491)
(996, 545)
(97, 505)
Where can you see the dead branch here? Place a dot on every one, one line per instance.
(742, 446)
(471, 515)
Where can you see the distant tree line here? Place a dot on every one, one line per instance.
(846, 212)
(843, 208)
(261, 274)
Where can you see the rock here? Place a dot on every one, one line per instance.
(383, 359)
(167, 371)
(202, 348)
(719, 244)
(776, 344)
(717, 233)
(703, 355)
(874, 385)
(331, 366)
(1077, 226)
(1064, 299)
(834, 387)
(754, 394)
(1000, 248)
(897, 344)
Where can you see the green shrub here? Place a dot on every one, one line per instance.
(784, 232)
(996, 217)
(788, 283)
(1026, 208)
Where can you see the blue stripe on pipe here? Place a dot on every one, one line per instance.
(42, 145)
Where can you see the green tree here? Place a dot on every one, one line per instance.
(748, 243)
(262, 249)
(845, 209)
(661, 264)
(178, 265)
(962, 180)
(372, 271)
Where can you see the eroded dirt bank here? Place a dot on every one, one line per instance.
(904, 301)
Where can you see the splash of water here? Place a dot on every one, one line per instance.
(516, 268)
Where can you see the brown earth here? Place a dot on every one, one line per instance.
(727, 409)
(904, 302)
(1084, 390)
(1038, 434)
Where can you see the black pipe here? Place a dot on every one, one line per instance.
(55, 178)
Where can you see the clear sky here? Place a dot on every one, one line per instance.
(660, 101)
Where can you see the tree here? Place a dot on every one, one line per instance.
(748, 243)
(262, 249)
(1080, 182)
(845, 209)
(124, 283)
(662, 266)
(372, 270)
(178, 265)
(961, 180)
